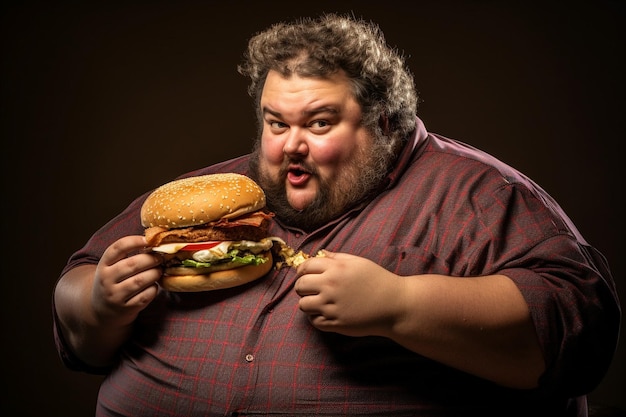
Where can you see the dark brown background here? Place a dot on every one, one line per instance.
(101, 102)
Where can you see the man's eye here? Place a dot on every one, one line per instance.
(319, 124)
(277, 125)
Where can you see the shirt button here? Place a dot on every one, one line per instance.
(249, 357)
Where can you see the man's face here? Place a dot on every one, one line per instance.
(313, 149)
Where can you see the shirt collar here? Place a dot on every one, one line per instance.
(415, 138)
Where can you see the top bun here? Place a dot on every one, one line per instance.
(197, 200)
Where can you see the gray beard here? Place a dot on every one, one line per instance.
(359, 181)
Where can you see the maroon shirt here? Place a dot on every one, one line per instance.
(448, 209)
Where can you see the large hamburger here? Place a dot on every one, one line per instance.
(211, 230)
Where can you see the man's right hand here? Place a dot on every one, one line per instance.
(125, 281)
(97, 305)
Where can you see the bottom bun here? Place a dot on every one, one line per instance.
(216, 280)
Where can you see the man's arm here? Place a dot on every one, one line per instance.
(478, 325)
(97, 305)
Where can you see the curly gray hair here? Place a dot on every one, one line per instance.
(381, 81)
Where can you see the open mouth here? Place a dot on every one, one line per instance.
(297, 172)
(297, 176)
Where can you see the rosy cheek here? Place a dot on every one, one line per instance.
(272, 151)
(329, 153)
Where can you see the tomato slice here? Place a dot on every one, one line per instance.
(201, 245)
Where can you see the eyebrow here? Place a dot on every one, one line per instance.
(323, 109)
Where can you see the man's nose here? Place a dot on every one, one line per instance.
(295, 144)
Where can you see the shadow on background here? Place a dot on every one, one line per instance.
(102, 102)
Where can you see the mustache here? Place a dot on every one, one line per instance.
(292, 165)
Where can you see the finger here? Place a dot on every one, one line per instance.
(321, 322)
(134, 265)
(144, 297)
(304, 286)
(313, 307)
(314, 265)
(121, 248)
(141, 286)
(309, 305)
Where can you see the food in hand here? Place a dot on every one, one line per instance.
(211, 230)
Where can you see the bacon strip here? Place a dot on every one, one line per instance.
(250, 219)
(248, 227)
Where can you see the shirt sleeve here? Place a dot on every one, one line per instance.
(574, 310)
(566, 283)
(68, 358)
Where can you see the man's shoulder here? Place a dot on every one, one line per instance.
(237, 165)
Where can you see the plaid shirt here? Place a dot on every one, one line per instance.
(447, 209)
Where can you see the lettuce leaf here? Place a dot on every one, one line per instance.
(231, 256)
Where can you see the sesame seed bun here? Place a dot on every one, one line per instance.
(197, 200)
